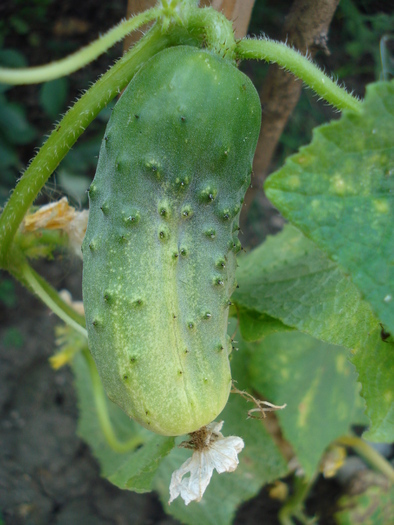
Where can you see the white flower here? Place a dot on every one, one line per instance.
(212, 451)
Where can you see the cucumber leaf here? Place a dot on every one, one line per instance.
(133, 470)
(339, 191)
(290, 279)
(53, 96)
(14, 125)
(375, 366)
(255, 325)
(373, 506)
(319, 385)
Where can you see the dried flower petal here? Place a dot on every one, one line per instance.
(218, 452)
(60, 216)
(75, 305)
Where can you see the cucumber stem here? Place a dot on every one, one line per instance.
(294, 506)
(216, 30)
(371, 456)
(35, 283)
(79, 59)
(102, 412)
(302, 67)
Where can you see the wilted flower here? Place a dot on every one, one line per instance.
(211, 451)
(60, 216)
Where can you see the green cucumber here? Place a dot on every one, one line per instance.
(159, 252)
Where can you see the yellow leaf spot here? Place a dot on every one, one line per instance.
(285, 373)
(293, 182)
(339, 186)
(388, 396)
(340, 363)
(381, 205)
(306, 403)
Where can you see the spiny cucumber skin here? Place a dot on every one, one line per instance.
(159, 251)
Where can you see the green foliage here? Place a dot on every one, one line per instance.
(15, 129)
(362, 30)
(12, 338)
(7, 292)
(255, 325)
(373, 506)
(22, 17)
(290, 279)
(53, 96)
(319, 386)
(375, 364)
(339, 192)
(131, 470)
(14, 124)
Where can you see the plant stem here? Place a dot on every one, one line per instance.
(372, 457)
(294, 505)
(27, 276)
(81, 58)
(67, 132)
(102, 412)
(213, 27)
(301, 67)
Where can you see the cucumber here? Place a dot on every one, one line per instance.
(159, 255)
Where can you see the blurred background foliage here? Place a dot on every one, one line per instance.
(34, 32)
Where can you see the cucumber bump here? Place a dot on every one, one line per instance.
(159, 253)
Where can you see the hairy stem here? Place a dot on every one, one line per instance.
(214, 27)
(102, 412)
(36, 284)
(372, 457)
(135, 7)
(239, 11)
(79, 59)
(301, 67)
(306, 28)
(67, 132)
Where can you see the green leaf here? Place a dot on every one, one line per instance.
(132, 470)
(255, 325)
(13, 123)
(318, 384)
(138, 470)
(53, 96)
(12, 58)
(8, 156)
(339, 191)
(84, 155)
(374, 506)
(8, 295)
(260, 462)
(290, 279)
(375, 365)
(74, 185)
